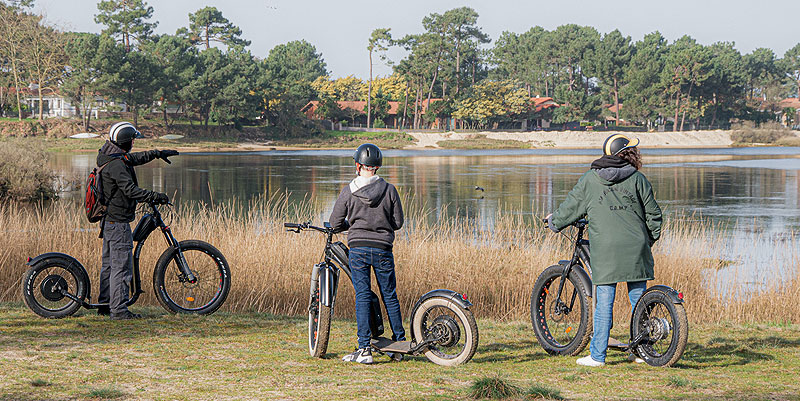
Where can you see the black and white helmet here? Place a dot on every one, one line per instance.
(123, 133)
(368, 155)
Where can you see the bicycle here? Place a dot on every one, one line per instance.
(189, 277)
(442, 325)
(659, 328)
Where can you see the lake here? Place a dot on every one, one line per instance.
(752, 195)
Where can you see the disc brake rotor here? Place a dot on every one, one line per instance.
(659, 328)
(557, 310)
(446, 330)
(52, 287)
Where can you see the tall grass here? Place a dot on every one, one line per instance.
(496, 269)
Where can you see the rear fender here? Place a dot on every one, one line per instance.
(671, 293)
(71, 264)
(457, 298)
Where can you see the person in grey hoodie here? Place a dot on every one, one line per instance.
(122, 193)
(370, 209)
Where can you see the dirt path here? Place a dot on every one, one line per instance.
(582, 139)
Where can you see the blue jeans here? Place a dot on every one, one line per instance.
(604, 314)
(361, 258)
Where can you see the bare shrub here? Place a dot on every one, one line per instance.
(24, 174)
(766, 133)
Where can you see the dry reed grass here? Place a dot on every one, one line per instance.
(496, 269)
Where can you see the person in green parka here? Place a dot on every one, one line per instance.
(624, 221)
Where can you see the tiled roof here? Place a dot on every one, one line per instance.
(359, 105)
(790, 102)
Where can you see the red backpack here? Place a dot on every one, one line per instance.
(95, 203)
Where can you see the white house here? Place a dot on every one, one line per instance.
(57, 105)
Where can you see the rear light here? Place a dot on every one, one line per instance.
(29, 259)
(464, 296)
(680, 296)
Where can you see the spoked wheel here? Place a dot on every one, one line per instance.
(452, 328)
(319, 323)
(562, 324)
(45, 283)
(204, 296)
(664, 326)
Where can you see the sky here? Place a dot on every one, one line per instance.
(339, 28)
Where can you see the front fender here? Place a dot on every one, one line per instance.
(328, 283)
(582, 276)
(72, 263)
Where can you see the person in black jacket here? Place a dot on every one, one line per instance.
(370, 209)
(122, 193)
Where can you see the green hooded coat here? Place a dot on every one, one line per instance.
(624, 220)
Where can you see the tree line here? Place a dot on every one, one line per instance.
(449, 72)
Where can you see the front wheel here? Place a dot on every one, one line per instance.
(203, 296)
(452, 329)
(319, 322)
(45, 283)
(664, 327)
(561, 323)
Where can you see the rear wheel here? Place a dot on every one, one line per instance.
(203, 296)
(561, 324)
(319, 323)
(452, 328)
(45, 283)
(664, 326)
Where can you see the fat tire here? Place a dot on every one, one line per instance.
(323, 332)
(681, 329)
(28, 288)
(584, 332)
(470, 327)
(164, 262)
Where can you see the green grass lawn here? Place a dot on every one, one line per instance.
(256, 356)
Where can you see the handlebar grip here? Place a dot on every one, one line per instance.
(291, 225)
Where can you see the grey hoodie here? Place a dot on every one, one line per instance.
(613, 168)
(370, 208)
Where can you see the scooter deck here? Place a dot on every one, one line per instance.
(386, 345)
(614, 343)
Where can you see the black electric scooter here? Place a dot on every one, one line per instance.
(190, 276)
(442, 326)
(560, 308)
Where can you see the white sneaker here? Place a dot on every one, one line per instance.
(634, 358)
(363, 355)
(588, 361)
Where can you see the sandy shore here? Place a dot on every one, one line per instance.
(582, 139)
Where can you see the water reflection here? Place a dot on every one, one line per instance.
(754, 193)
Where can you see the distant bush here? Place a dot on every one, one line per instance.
(768, 133)
(24, 174)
